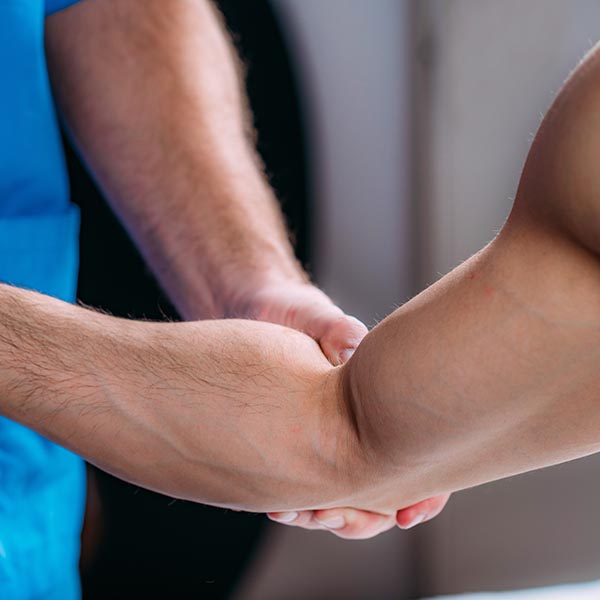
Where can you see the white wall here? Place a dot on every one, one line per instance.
(353, 58)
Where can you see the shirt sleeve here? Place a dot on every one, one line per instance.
(55, 5)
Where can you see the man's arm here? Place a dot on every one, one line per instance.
(495, 370)
(152, 95)
(233, 413)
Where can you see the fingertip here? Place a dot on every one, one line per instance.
(421, 512)
(346, 354)
(342, 338)
(283, 517)
(358, 328)
(407, 519)
(303, 518)
(330, 521)
(352, 524)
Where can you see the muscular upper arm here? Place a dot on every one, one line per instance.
(495, 369)
(560, 186)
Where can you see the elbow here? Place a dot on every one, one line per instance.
(367, 464)
(390, 464)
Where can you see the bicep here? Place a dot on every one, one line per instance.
(560, 185)
(492, 371)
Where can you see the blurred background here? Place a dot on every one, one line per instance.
(394, 132)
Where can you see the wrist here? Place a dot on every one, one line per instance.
(248, 295)
(223, 290)
(217, 274)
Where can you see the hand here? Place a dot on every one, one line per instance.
(305, 308)
(353, 524)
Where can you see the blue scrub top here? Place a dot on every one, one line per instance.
(42, 486)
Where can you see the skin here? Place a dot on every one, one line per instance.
(492, 371)
(150, 91)
(194, 409)
(503, 372)
(241, 414)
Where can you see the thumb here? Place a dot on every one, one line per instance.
(340, 338)
(311, 311)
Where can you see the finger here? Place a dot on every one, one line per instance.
(352, 524)
(340, 337)
(310, 310)
(303, 518)
(421, 512)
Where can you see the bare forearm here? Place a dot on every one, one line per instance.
(151, 93)
(233, 413)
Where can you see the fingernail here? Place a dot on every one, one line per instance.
(418, 519)
(332, 522)
(286, 517)
(346, 354)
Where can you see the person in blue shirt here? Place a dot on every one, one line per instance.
(149, 91)
(492, 371)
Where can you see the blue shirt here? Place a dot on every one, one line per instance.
(42, 486)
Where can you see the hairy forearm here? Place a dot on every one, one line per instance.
(151, 93)
(237, 413)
